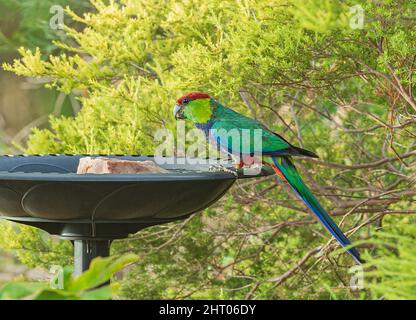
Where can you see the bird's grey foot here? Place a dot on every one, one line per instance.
(221, 168)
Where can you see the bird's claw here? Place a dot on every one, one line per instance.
(221, 168)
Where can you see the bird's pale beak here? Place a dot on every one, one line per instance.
(177, 112)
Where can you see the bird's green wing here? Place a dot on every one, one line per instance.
(239, 134)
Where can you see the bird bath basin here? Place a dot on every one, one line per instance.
(91, 210)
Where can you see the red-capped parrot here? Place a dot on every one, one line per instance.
(215, 120)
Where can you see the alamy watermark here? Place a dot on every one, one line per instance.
(192, 148)
(357, 17)
(357, 278)
(56, 22)
(57, 280)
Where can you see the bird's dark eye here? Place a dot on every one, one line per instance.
(185, 101)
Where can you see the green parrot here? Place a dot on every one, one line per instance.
(216, 121)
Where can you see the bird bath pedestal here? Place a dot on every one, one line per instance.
(91, 210)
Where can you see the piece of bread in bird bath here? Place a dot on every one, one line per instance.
(102, 165)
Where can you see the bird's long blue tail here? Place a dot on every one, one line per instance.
(285, 168)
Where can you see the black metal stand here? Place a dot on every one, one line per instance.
(86, 250)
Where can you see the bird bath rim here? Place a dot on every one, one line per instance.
(73, 177)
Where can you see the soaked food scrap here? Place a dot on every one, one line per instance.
(102, 165)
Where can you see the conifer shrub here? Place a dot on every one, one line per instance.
(310, 72)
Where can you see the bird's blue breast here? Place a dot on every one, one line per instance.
(205, 127)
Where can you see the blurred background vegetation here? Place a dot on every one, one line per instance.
(307, 69)
(24, 102)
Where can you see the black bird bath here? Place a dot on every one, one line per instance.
(91, 210)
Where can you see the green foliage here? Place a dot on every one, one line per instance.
(391, 272)
(298, 67)
(24, 240)
(82, 287)
(27, 23)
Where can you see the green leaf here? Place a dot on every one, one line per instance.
(20, 290)
(100, 271)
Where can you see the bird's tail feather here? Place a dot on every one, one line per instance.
(284, 167)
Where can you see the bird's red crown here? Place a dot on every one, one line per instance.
(192, 96)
